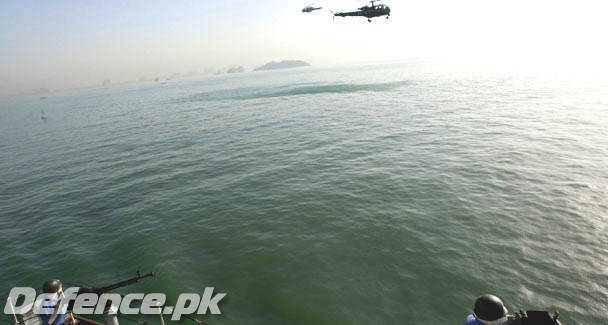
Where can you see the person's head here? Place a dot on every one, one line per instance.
(51, 286)
(490, 310)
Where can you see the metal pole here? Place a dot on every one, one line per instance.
(10, 303)
(160, 313)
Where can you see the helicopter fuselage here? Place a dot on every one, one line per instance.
(311, 9)
(367, 11)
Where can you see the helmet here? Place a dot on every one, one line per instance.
(51, 286)
(489, 308)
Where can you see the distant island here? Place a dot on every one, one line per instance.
(282, 65)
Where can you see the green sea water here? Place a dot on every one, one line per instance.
(389, 193)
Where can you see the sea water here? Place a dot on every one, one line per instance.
(390, 193)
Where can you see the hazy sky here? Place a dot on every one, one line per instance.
(69, 43)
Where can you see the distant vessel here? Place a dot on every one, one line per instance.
(42, 115)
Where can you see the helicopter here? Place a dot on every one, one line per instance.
(368, 11)
(310, 8)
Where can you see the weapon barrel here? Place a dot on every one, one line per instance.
(100, 290)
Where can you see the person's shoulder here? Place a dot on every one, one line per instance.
(471, 320)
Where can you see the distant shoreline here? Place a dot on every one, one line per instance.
(286, 64)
